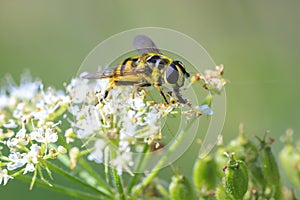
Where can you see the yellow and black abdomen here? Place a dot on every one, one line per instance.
(126, 73)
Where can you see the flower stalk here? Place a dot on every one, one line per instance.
(140, 187)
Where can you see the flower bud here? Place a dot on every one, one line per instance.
(290, 161)
(236, 178)
(221, 160)
(205, 174)
(270, 169)
(180, 188)
(74, 154)
(245, 149)
(222, 195)
(256, 175)
(70, 135)
(61, 150)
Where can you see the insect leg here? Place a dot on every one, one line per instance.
(178, 95)
(137, 86)
(156, 85)
(109, 87)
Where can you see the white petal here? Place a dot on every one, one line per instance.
(11, 124)
(29, 168)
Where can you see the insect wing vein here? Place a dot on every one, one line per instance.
(105, 73)
(143, 45)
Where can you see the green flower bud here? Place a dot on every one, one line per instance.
(221, 160)
(222, 195)
(205, 174)
(245, 149)
(289, 157)
(270, 169)
(290, 161)
(236, 178)
(256, 176)
(181, 189)
(162, 188)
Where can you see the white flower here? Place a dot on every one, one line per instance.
(152, 116)
(87, 121)
(33, 154)
(51, 96)
(79, 89)
(213, 79)
(132, 121)
(153, 120)
(80, 92)
(123, 162)
(21, 133)
(216, 83)
(97, 154)
(11, 124)
(128, 129)
(137, 103)
(69, 135)
(29, 168)
(12, 142)
(3, 136)
(124, 146)
(117, 102)
(4, 177)
(4, 100)
(44, 135)
(17, 160)
(18, 112)
(25, 91)
(41, 114)
(32, 158)
(20, 138)
(47, 103)
(27, 88)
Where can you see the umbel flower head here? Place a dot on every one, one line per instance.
(117, 125)
(32, 119)
(122, 122)
(27, 127)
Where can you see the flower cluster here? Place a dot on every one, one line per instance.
(212, 80)
(112, 130)
(117, 125)
(27, 130)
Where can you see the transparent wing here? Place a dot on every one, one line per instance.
(143, 45)
(105, 73)
(115, 72)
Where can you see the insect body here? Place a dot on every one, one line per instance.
(150, 68)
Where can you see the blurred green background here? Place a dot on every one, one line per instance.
(257, 41)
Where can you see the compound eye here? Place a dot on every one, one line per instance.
(172, 74)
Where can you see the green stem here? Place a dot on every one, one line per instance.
(33, 180)
(139, 188)
(136, 175)
(106, 164)
(60, 171)
(61, 189)
(94, 174)
(38, 168)
(119, 184)
(87, 167)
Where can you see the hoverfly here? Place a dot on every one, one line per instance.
(150, 68)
